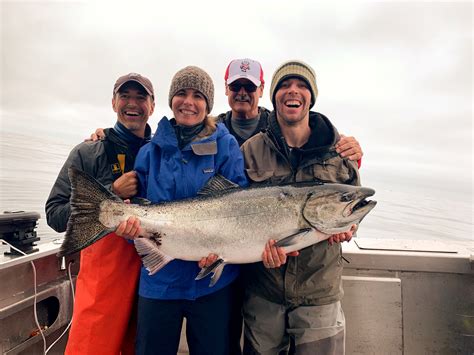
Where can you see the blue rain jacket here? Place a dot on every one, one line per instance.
(166, 173)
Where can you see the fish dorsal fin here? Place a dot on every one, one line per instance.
(217, 183)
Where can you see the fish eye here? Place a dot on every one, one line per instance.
(346, 197)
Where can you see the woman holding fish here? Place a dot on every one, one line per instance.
(183, 155)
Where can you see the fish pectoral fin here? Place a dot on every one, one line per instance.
(215, 268)
(209, 269)
(292, 238)
(217, 275)
(140, 201)
(152, 257)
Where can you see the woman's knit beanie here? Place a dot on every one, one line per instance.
(195, 78)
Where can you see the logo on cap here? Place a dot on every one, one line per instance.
(245, 66)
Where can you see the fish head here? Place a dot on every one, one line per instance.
(334, 208)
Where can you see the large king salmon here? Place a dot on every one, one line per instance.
(231, 222)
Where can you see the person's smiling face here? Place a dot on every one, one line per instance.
(133, 106)
(189, 107)
(243, 98)
(292, 101)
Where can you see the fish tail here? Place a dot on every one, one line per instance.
(84, 227)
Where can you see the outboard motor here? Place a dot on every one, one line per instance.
(17, 228)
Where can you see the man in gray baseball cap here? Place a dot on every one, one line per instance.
(106, 287)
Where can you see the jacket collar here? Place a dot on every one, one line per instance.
(122, 136)
(321, 141)
(165, 136)
(264, 115)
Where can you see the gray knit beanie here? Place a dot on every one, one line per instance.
(294, 69)
(193, 78)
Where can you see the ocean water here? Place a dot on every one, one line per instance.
(417, 204)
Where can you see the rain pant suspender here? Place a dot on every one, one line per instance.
(119, 158)
(104, 317)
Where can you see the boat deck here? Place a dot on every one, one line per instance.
(401, 297)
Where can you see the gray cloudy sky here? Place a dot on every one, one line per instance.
(395, 74)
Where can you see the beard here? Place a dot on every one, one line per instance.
(133, 125)
(293, 119)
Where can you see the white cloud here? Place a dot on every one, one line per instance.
(377, 62)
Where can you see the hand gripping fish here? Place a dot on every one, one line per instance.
(224, 219)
